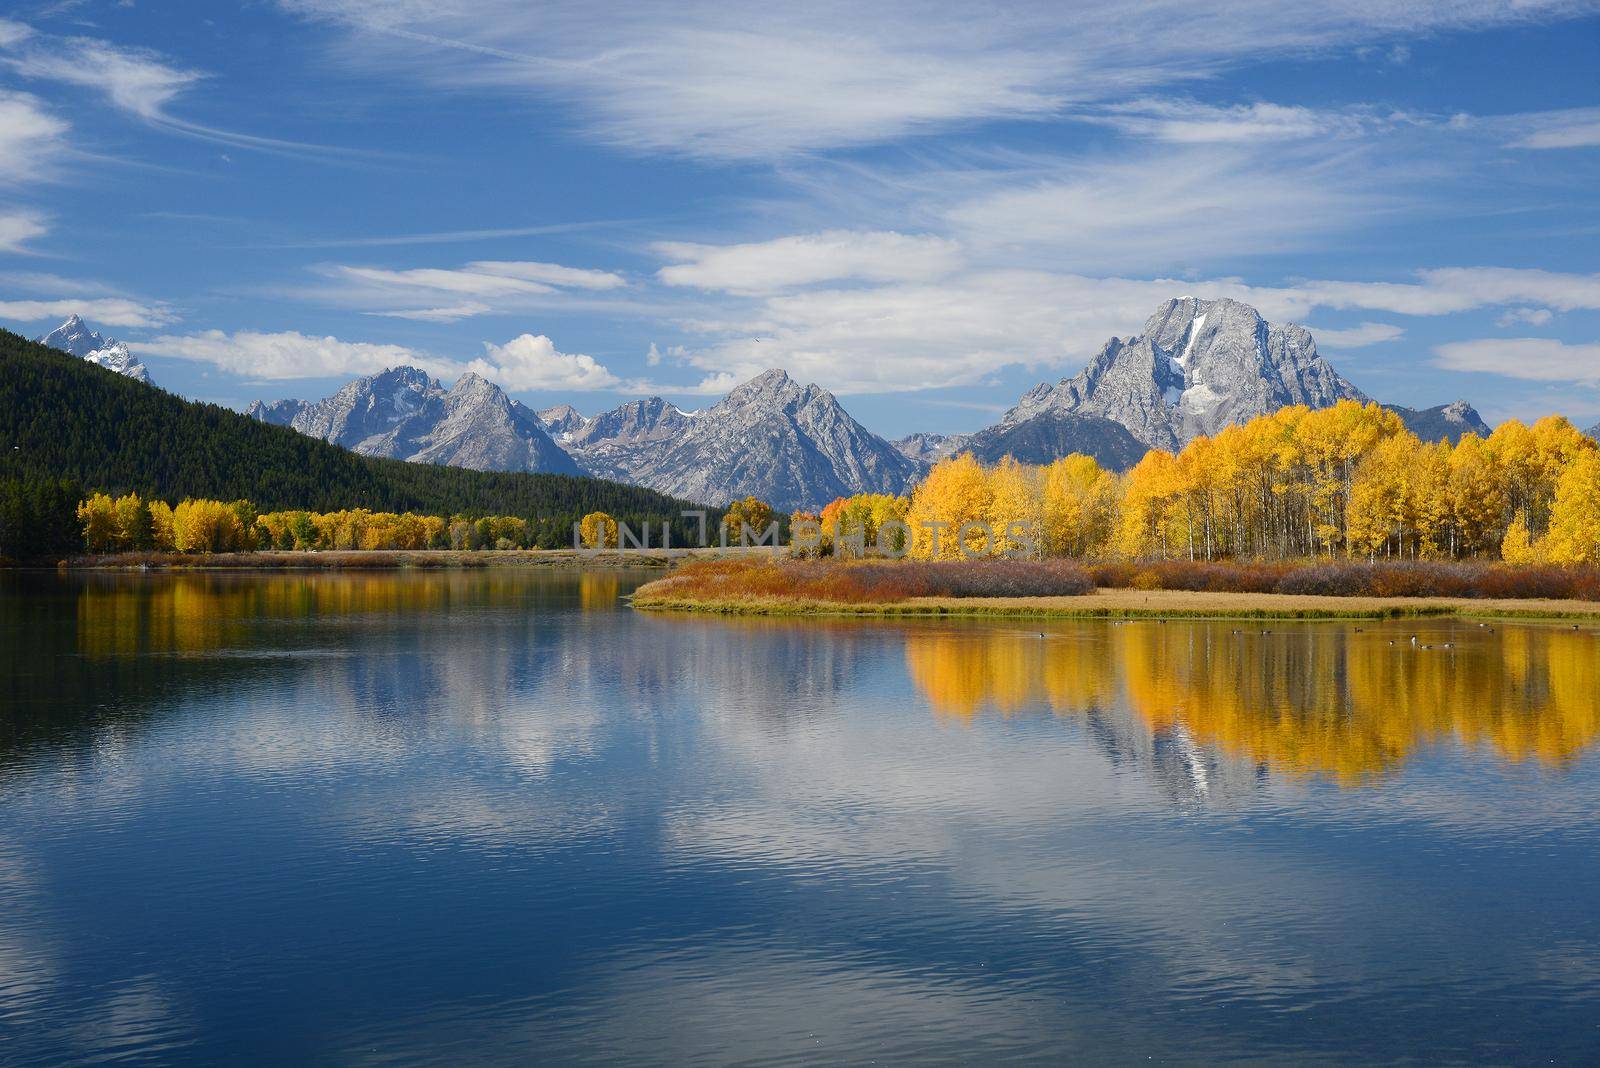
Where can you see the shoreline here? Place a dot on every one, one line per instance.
(381, 560)
(1112, 604)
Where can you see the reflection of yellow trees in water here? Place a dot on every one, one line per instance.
(598, 591)
(197, 613)
(1313, 700)
(963, 673)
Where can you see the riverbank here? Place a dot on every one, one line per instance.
(356, 560)
(1133, 604)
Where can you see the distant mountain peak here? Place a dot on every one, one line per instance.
(789, 444)
(406, 414)
(76, 338)
(1198, 366)
(1447, 422)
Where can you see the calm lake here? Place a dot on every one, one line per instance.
(497, 816)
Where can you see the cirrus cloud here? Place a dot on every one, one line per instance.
(1537, 359)
(803, 259)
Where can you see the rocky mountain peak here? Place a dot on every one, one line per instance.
(792, 445)
(406, 414)
(1446, 422)
(76, 338)
(562, 420)
(1198, 366)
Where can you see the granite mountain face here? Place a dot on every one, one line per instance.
(75, 337)
(1198, 366)
(404, 414)
(928, 448)
(1446, 422)
(793, 446)
(789, 444)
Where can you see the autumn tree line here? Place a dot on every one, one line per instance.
(68, 427)
(131, 524)
(1347, 482)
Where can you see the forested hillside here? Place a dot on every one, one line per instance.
(62, 418)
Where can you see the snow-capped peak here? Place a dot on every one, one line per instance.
(75, 338)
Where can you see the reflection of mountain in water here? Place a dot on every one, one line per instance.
(1322, 700)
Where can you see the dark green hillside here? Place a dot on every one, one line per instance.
(62, 418)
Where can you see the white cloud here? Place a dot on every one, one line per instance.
(965, 328)
(1536, 359)
(803, 259)
(1159, 211)
(1528, 316)
(474, 283)
(1191, 122)
(101, 311)
(134, 80)
(17, 228)
(697, 79)
(12, 33)
(1572, 128)
(449, 314)
(1458, 289)
(532, 362)
(551, 273)
(1357, 337)
(29, 137)
(290, 354)
(507, 283)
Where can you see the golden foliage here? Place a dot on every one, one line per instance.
(597, 530)
(1333, 703)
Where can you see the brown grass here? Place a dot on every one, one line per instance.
(866, 582)
(1357, 579)
(1169, 590)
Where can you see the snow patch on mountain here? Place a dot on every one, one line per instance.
(75, 337)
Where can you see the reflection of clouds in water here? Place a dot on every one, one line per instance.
(136, 1016)
(732, 1004)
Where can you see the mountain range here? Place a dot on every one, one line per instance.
(75, 337)
(404, 414)
(1196, 367)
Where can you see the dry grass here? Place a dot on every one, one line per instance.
(1031, 588)
(864, 582)
(1358, 579)
(1140, 604)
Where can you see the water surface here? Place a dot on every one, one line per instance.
(496, 816)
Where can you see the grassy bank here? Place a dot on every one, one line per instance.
(1021, 589)
(1139, 604)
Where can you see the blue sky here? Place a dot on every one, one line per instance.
(923, 211)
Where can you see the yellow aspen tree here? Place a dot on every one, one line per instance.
(161, 526)
(1014, 512)
(1148, 492)
(597, 530)
(1575, 514)
(1478, 499)
(955, 493)
(98, 516)
(1518, 546)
